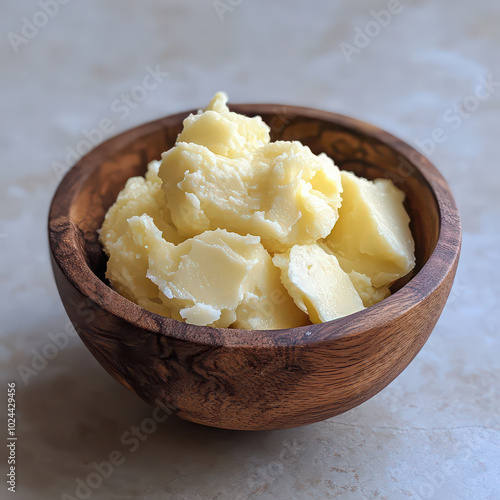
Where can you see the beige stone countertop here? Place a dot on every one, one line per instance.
(410, 67)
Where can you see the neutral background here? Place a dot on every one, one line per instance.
(435, 431)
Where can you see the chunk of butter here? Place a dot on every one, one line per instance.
(204, 280)
(229, 176)
(367, 292)
(223, 132)
(127, 267)
(372, 235)
(317, 283)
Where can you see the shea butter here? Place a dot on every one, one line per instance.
(204, 280)
(230, 176)
(317, 284)
(230, 229)
(126, 269)
(372, 236)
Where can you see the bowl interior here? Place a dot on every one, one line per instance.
(353, 145)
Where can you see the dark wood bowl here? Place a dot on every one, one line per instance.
(243, 379)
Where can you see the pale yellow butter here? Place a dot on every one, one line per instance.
(229, 176)
(317, 283)
(372, 235)
(223, 132)
(126, 269)
(232, 230)
(204, 280)
(367, 292)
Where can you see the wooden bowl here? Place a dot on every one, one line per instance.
(244, 379)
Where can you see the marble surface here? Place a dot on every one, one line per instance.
(435, 431)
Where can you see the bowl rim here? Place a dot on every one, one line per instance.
(441, 262)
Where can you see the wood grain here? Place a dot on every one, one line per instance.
(239, 379)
